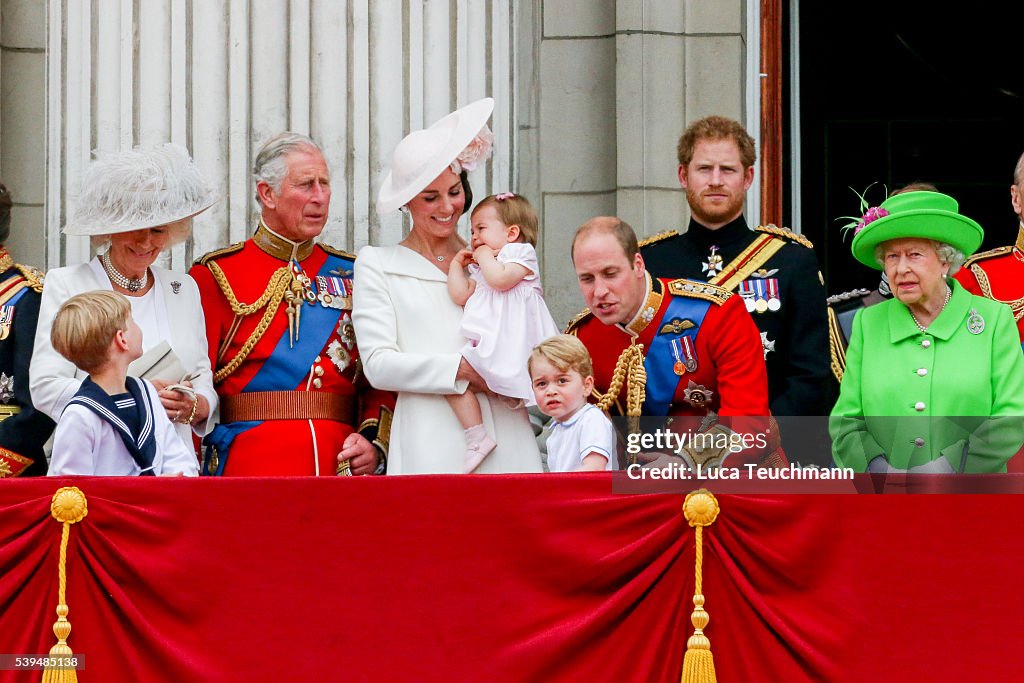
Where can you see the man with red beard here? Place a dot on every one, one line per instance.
(293, 399)
(774, 270)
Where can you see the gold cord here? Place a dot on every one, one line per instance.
(629, 368)
(1017, 306)
(279, 283)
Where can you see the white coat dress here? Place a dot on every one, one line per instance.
(407, 330)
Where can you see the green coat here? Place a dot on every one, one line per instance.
(916, 396)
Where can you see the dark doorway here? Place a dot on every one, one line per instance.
(898, 92)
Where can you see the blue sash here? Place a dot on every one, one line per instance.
(142, 447)
(284, 368)
(659, 360)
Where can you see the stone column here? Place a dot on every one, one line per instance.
(222, 76)
(22, 122)
(604, 96)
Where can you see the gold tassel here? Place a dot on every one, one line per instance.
(700, 509)
(67, 507)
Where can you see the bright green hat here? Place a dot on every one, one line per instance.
(921, 214)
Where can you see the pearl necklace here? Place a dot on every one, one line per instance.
(924, 328)
(123, 281)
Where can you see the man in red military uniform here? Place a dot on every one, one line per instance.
(293, 400)
(692, 346)
(999, 274)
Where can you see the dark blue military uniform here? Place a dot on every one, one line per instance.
(23, 430)
(785, 295)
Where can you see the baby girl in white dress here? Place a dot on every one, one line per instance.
(505, 314)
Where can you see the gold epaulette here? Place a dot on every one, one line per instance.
(220, 253)
(336, 252)
(647, 241)
(699, 290)
(785, 233)
(570, 328)
(33, 276)
(991, 253)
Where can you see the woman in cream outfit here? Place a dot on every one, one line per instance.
(139, 202)
(406, 324)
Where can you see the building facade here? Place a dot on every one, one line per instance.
(591, 98)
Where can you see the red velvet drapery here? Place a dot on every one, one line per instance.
(508, 578)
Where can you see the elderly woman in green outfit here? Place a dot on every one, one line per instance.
(934, 379)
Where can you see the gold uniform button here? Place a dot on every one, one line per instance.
(317, 383)
(318, 371)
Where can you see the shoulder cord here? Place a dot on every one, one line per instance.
(271, 299)
(629, 368)
(986, 288)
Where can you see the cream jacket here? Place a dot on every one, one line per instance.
(407, 330)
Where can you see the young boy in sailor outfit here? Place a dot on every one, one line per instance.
(114, 424)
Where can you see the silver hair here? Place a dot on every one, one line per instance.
(946, 253)
(1018, 171)
(178, 232)
(270, 166)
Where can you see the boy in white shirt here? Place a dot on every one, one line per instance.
(582, 437)
(114, 424)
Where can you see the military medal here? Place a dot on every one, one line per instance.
(678, 366)
(760, 305)
(697, 395)
(975, 323)
(774, 303)
(333, 292)
(685, 355)
(746, 291)
(6, 320)
(714, 263)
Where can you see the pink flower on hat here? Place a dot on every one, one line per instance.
(869, 214)
(476, 152)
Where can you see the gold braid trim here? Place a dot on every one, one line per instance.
(271, 299)
(629, 368)
(835, 345)
(1017, 306)
(773, 229)
(32, 276)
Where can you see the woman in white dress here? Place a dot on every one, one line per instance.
(408, 328)
(134, 206)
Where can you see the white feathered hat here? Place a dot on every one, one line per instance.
(140, 188)
(422, 155)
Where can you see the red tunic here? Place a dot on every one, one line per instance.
(285, 447)
(729, 358)
(1003, 270)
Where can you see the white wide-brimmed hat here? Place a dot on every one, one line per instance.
(140, 188)
(422, 155)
